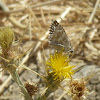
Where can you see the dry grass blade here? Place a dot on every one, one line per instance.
(94, 11)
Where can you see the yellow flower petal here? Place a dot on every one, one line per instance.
(59, 65)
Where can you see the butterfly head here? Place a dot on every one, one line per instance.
(71, 51)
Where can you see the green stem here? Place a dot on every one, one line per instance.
(45, 96)
(19, 83)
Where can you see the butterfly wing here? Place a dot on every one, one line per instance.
(58, 37)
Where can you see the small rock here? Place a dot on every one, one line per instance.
(98, 87)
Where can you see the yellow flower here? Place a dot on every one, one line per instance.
(58, 65)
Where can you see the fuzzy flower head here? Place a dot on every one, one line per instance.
(31, 88)
(77, 89)
(6, 37)
(58, 65)
(7, 52)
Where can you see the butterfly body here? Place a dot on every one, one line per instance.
(58, 38)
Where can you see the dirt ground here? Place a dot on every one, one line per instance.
(31, 19)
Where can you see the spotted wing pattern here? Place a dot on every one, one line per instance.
(58, 37)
